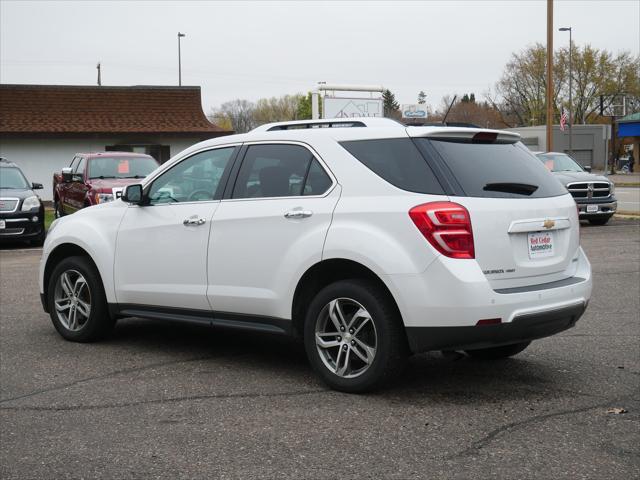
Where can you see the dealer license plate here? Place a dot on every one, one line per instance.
(540, 244)
(592, 208)
(3, 224)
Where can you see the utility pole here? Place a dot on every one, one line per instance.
(549, 75)
(99, 79)
(565, 29)
(180, 35)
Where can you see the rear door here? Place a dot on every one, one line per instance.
(525, 224)
(270, 229)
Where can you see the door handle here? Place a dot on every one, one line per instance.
(298, 214)
(193, 221)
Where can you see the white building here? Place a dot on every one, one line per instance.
(43, 126)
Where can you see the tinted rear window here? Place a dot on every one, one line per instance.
(497, 170)
(398, 161)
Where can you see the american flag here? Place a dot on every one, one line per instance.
(563, 119)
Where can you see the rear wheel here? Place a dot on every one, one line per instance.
(496, 353)
(354, 337)
(76, 301)
(599, 221)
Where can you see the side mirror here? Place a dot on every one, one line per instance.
(133, 194)
(67, 174)
(587, 168)
(36, 186)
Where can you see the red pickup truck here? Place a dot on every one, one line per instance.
(94, 178)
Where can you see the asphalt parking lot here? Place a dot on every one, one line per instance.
(159, 400)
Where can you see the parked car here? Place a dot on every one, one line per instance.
(21, 210)
(367, 243)
(594, 194)
(93, 178)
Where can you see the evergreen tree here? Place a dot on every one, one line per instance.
(391, 106)
(422, 98)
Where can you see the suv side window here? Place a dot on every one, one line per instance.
(317, 181)
(398, 161)
(194, 179)
(280, 170)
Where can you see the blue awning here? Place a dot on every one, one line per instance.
(631, 129)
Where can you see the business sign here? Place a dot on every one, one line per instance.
(351, 107)
(413, 111)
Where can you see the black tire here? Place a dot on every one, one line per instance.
(496, 353)
(599, 221)
(39, 240)
(390, 340)
(98, 324)
(58, 211)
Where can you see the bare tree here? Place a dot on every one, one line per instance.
(277, 109)
(521, 91)
(239, 114)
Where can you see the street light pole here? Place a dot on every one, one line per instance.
(564, 29)
(180, 35)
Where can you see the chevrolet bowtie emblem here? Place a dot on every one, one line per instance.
(548, 224)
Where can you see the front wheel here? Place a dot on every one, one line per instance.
(39, 240)
(57, 209)
(496, 353)
(354, 337)
(76, 300)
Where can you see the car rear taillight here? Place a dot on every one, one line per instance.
(447, 226)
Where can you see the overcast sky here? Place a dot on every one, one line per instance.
(258, 49)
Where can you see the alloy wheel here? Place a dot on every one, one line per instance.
(72, 300)
(346, 338)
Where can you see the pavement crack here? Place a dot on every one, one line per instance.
(509, 427)
(62, 408)
(103, 376)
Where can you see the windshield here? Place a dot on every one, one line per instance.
(12, 178)
(559, 162)
(121, 167)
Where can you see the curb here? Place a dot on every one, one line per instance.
(627, 184)
(623, 214)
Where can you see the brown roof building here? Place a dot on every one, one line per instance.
(60, 109)
(43, 126)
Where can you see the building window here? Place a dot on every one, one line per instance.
(160, 152)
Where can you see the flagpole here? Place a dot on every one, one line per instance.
(549, 75)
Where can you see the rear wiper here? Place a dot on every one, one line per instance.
(134, 176)
(102, 177)
(509, 187)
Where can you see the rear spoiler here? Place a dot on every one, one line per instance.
(465, 135)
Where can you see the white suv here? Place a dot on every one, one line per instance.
(368, 241)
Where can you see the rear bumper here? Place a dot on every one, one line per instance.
(521, 329)
(442, 305)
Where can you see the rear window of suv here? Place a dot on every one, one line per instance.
(495, 170)
(398, 161)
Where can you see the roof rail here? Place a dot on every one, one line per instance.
(329, 123)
